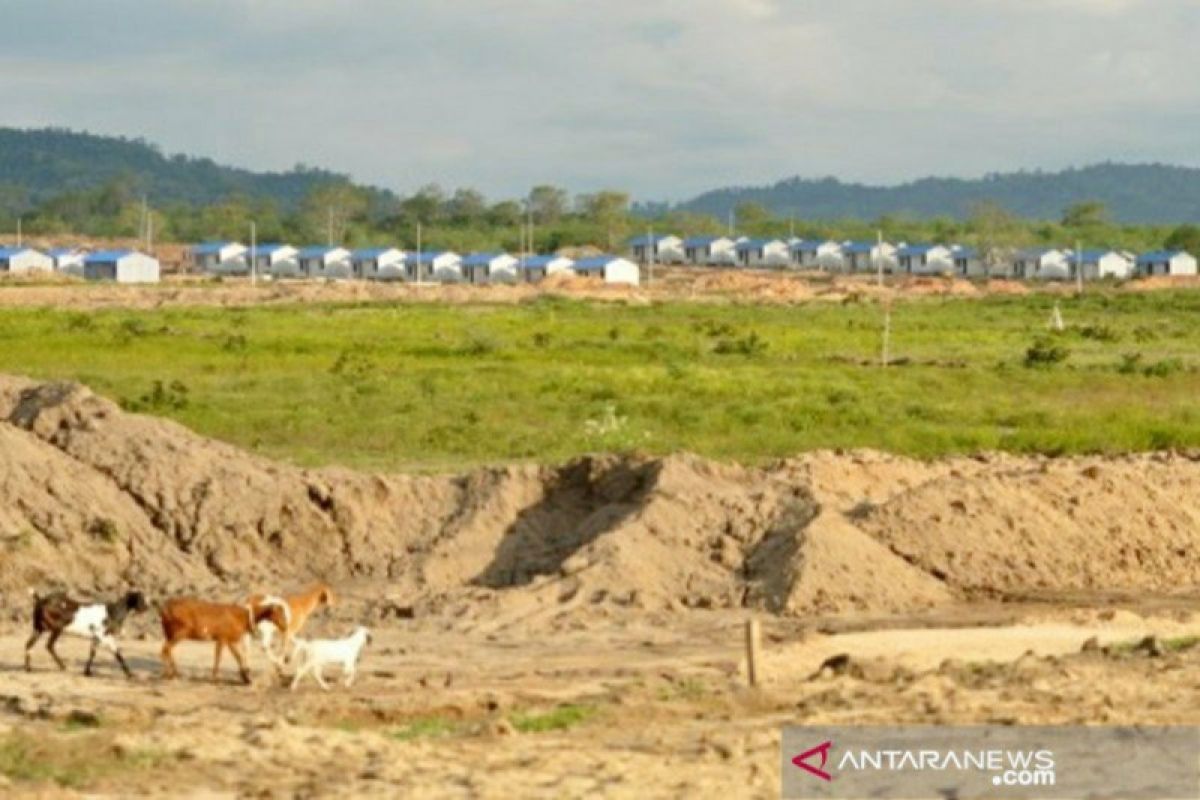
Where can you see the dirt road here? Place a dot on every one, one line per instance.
(622, 707)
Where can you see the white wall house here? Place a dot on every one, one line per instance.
(537, 268)
(277, 260)
(225, 258)
(1166, 262)
(68, 260)
(667, 249)
(436, 265)
(1099, 264)
(122, 266)
(377, 263)
(24, 259)
(817, 254)
(490, 268)
(968, 263)
(869, 256)
(711, 250)
(324, 262)
(613, 269)
(924, 259)
(762, 253)
(1047, 264)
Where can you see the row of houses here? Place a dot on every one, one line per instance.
(391, 263)
(122, 266)
(908, 259)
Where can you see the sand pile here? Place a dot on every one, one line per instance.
(93, 497)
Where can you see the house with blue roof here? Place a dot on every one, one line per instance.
(817, 254)
(539, 267)
(1100, 264)
(433, 265)
(276, 259)
(709, 251)
(67, 260)
(1166, 262)
(225, 258)
(869, 256)
(480, 268)
(20, 259)
(121, 266)
(924, 259)
(323, 261)
(377, 263)
(1041, 263)
(762, 253)
(610, 269)
(666, 249)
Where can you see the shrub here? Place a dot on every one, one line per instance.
(749, 345)
(171, 396)
(1045, 353)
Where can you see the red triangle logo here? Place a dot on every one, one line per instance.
(822, 750)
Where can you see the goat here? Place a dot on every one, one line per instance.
(299, 608)
(56, 614)
(226, 625)
(312, 655)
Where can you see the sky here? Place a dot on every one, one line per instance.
(662, 98)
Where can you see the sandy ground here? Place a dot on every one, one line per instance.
(670, 712)
(576, 630)
(695, 284)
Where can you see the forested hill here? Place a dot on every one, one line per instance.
(39, 164)
(1149, 193)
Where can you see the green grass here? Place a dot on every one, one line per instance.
(427, 728)
(431, 387)
(562, 718)
(83, 761)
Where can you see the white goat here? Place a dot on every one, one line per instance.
(313, 655)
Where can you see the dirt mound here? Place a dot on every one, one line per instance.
(93, 497)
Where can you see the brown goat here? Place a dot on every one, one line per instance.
(226, 625)
(300, 608)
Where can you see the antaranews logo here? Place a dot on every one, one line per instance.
(1007, 768)
(818, 771)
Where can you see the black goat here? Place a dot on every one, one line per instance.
(56, 614)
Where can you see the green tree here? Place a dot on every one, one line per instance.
(608, 210)
(426, 206)
(1185, 237)
(548, 204)
(996, 232)
(752, 217)
(467, 207)
(505, 214)
(329, 209)
(1088, 214)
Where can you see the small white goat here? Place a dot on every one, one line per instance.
(313, 655)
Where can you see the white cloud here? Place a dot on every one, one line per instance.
(665, 97)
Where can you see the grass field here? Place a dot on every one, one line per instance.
(432, 387)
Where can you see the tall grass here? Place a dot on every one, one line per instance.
(430, 387)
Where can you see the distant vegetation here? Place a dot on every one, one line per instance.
(63, 184)
(1142, 193)
(442, 387)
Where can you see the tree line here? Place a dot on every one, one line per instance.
(465, 220)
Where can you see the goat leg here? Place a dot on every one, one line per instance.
(320, 678)
(87, 668)
(217, 658)
(29, 647)
(236, 649)
(50, 648)
(169, 668)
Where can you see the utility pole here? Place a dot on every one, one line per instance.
(330, 223)
(887, 332)
(417, 267)
(1079, 266)
(142, 225)
(879, 257)
(650, 257)
(149, 234)
(253, 254)
(18, 231)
